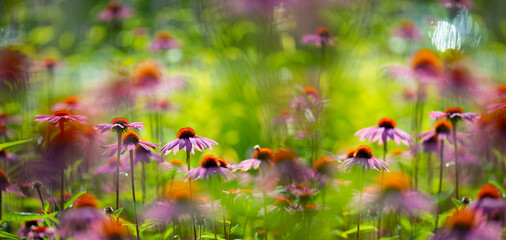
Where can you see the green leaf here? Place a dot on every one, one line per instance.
(362, 228)
(11, 144)
(456, 202)
(211, 236)
(232, 230)
(25, 216)
(6, 235)
(440, 197)
(421, 236)
(71, 200)
(117, 212)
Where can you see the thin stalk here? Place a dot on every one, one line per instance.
(62, 171)
(385, 150)
(191, 197)
(117, 169)
(454, 133)
(143, 182)
(265, 207)
(245, 220)
(440, 180)
(222, 208)
(133, 192)
(1, 205)
(41, 199)
(429, 169)
(362, 180)
(322, 59)
(212, 208)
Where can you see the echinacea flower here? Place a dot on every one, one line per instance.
(325, 165)
(350, 153)
(364, 157)
(322, 37)
(60, 117)
(386, 130)
(407, 29)
(454, 114)
(81, 221)
(442, 130)
(304, 192)
(6, 156)
(163, 41)
(70, 103)
(32, 230)
(173, 165)
(425, 66)
(490, 201)
(118, 125)
(457, 3)
(188, 141)
(209, 166)
(14, 68)
(287, 170)
(130, 140)
(114, 11)
(147, 74)
(261, 157)
(110, 167)
(143, 155)
(468, 224)
(6, 185)
(464, 156)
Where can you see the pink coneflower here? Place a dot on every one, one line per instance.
(163, 41)
(6, 156)
(188, 141)
(407, 29)
(287, 170)
(261, 157)
(468, 224)
(496, 107)
(147, 74)
(325, 165)
(130, 140)
(70, 103)
(443, 130)
(173, 165)
(119, 125)
(304, 192)
(425, 66)
(464, 156)
(37, 232)
(209, 166)
(365, 157)
(490, 202)
(14, 68)
(350, 153)
(386, 130)
(453, 114)
(115, 11)
(322, 37)
(60, 117)
(457, 3)
(81, 220)
(110, 167)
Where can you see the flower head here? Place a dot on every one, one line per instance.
(118, 125)
(209, 166)
(110, 166)
(261, 157)
(468, 224)
(407, 29)
(130, 140)
(454, 114)
(114, 11)
(321, 37)
(70, 103)
(425, 66)
(163, 41)
(14, 68)
(365, 157)
(188, 141)
(60, 117)
(386, 130)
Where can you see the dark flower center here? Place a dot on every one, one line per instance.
(3, 153)
(209, 161)
(387, 123)
(122, 121)
(264, 154)
(130, 137)
(186, 132)
(323, 32)
(61, 113)
(443, 126)
(364, 151)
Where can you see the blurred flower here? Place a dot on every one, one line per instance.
(261, 157)
(173, 164)
(143, 155)
(491, 203)
(31, 230)
(425, 66)
(287, 170)
(188, 141)
(70, 103)
(386, 130)
(464, 157)
(442, 130)
(110, 167)
(453, 113)
(147, 74)
(113, 230)
(49, 64)
(118, 125)
(130, 140)
(82, 220)
(14, 68)
(325, 165)
(210, 165)
(163, 105)
(163, 41)
(8, 157)
(430, 144)
(467, 224)
(365, 157)
(349, 154)
(5, 184)
(321, 38)
(457, 3)
(61, 117)
(304, 192)
(407, 29)
(114, 11)
(496, 106)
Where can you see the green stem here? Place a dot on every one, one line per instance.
(143, 182)
(362, 180)
(212, 207)
(454, 133)
(133, 192)
(429, 169)
(117, 169)
(222, 208)
(385, 150)
(62, 171)
(441, 151)
(191, 196)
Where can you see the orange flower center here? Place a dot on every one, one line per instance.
(397, 151)
(264, 154)
(461, 219)
(4, 179)
(147, 72)
(407, 24)
(323, 32)
(209, 161)
(39, 229)
(114, 230)
(176, 162)
(426, 59)
(122, 121)
(284, 155)
(282, 202)
(86, 200)
(310, 91)
(364, 151)
(397, 181)
(351, 152)
(49, 62)
(387, 123)
(322, 162)
(163, 35)
(112, 161)
(454, 110)
(61, 113)
(131, 137)
(489, 191)
(71, 100)
(443, 126)
(186, 132)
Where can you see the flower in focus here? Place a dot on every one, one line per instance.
(60, 117)
(407, 29)
(261, 157)
(114, 11)
(386, 130)
(163, 41)
(322, 37)
(188, 141)
(118, 125)
(130, 140)
(209, 166)
(71, 103)
(453, 114)
(468, 224)
(365, 157)
(110, 167)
